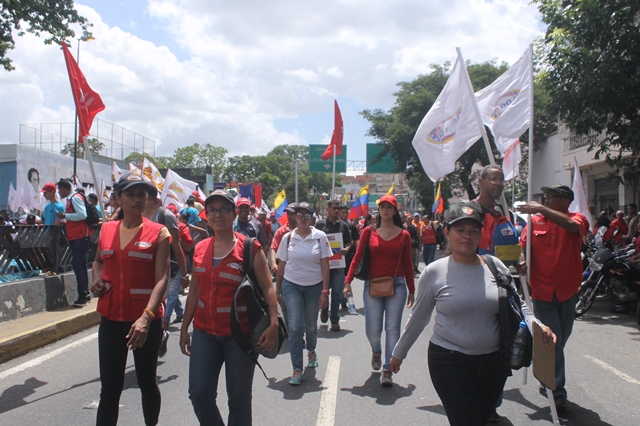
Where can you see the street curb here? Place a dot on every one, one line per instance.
(46, 334)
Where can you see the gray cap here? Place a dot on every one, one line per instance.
(220, 193)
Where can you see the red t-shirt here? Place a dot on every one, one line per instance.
(556, 265)
(388, 258)
(275, 243)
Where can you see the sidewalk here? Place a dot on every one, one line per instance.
(19, 336)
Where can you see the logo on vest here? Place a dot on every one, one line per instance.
(234, 265)
(143, 244)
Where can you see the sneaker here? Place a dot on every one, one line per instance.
(80, 303)
(178, 319)
(324, 315)
(335, 326)
(296, 378)
(376, 361)
(494, 418)
(313, 360)
(561, 404)
(162, 351)
(386, 380)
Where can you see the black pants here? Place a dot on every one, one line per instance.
(113, 353)
(468, 385)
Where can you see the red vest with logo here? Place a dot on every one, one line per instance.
(78, 229)
(428, 234)
(129, 274)
(217, 287)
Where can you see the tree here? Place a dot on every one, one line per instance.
(94, 145)
(592, 59)
(137, 157)
(198, 158)
(52, 17)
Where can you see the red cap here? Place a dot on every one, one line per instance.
(48, 187)
(243, 202)
(388, 198)
(173, 209)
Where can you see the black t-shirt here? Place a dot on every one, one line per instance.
(334, 228)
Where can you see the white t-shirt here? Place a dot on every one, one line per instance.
(303, 256)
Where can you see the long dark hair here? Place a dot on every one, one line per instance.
(396, 220)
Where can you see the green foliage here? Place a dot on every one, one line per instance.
(592, 61)
(94, 145)
(51, 17)
(198, 158)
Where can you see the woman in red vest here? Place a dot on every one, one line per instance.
(217, 272)
(130, 274)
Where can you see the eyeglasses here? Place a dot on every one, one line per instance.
(222, 210)
(304, 215)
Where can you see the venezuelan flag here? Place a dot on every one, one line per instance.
(438, 204)
(361, 204)
(279, 204)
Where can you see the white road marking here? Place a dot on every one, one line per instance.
(43, 358)
(326, 415)
(623, 376)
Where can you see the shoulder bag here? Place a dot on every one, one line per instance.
(362, 271)
(385, 286)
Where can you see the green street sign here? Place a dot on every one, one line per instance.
(400, 198)
(316, 164)
(387, 164)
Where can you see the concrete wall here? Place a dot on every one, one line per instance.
(28, 297)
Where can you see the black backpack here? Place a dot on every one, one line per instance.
(257, 311)
(440, 237)
(92, 211)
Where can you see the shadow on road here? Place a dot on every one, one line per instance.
(383, 396)
(309, 384)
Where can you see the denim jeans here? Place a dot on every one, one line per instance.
(468, 385)
(302, 304)
(79, 249)
(173, 299)
(415, 257)
(559, 317)
(428, 253)
(112, 356)
(336, 284)
(389, 308)
(208, 353)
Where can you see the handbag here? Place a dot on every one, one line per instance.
(510, 317)
(362, 271)
(385, 286)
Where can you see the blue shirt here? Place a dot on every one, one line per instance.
(50, 211)
(192, 213)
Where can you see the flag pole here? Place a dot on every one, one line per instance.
(87, 153)
(482, 129)
(333, 180)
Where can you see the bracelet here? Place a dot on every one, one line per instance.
(148, 312)
(325, 291)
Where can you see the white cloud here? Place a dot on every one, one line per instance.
(238, 69)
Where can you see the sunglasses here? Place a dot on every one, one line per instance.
(304, 215)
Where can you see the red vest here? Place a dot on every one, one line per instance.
(129, 274)
(428, 234)
(217, 286)
(78, 229)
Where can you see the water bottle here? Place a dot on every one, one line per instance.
(517, 349)
(351, 304)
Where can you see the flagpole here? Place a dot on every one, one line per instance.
(483, 131)
(87, 152)
(296, 181)
(333, 180)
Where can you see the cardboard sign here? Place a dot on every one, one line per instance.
(336, 244)
(544, 359)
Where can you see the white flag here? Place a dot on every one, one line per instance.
(511, 162)
(450, 127)
(152, 173)
(134, 169)
(176, 189)
(579, 203)
(505, 103)
(15, 200)
(116, 173)
(30, 198)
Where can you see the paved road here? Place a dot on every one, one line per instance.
(58, 385)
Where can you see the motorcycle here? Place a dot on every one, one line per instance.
(609, 273)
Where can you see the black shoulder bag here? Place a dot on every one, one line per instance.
(362, 271)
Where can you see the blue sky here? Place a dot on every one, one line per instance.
(251, 75)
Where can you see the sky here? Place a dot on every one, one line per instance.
(251, 75)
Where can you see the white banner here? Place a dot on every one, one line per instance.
(176, 189)
(580, 203)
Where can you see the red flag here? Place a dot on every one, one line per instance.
(338, 134)
(88, 102)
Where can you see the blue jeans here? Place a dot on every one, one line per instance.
(79, 249)
(302, 304)
(375, 308)
(428, 253)
(336, 284)
(173, 299)
(208, 353)
(559, 317)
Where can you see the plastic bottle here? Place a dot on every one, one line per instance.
(518, 346)
(351, 304)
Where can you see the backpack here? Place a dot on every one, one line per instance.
(257, 310)
(413, 233)
(510, 316)
(439, 235)
(92, 211)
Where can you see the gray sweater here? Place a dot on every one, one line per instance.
(465, 299)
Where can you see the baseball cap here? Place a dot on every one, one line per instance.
(128, 179)
(465, 211)
(219, 193)
(48, 187)
(291, 208)
(416, 214)
(388, 198)
(304, 206)
(562, 190)
(243, 201)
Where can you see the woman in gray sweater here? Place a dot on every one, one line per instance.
(464, 363)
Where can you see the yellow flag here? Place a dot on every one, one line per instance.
(390, 191)
(345, 198)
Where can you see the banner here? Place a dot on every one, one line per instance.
(579, 203)
(152, 173)
(116, 173)
(335, 242)
(176, 189)
(15, 200)
(338, 133)
(511, 162)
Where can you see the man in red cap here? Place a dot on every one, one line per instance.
(248, 225)
(53, 206)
